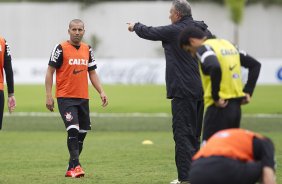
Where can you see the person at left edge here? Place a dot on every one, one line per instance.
(6, 64)
(73, 62)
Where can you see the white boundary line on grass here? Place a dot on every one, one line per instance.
(93, 114)
(135, 114)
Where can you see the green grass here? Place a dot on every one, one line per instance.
(33, 149)
(122, 98)
(266, 99)
(141, 98)
(114, 157)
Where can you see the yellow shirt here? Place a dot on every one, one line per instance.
(231, 79)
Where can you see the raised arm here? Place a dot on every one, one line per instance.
(161, 33)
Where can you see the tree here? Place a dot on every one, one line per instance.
(236, 8)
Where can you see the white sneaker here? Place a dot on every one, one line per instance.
(175, 182)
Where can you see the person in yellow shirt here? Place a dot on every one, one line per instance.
(220, 68)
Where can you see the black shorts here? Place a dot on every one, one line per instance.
(75, 111)
(217, 118)
(222, 170)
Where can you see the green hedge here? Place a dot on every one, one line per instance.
(266, 2)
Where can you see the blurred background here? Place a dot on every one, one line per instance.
(33, 28)
(132, 71)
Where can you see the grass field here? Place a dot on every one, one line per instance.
(142, 98)
(33, 149)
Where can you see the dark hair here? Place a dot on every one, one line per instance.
(190, 32)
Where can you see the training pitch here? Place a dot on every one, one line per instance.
(33, 145)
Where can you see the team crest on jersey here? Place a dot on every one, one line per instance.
(68, 116)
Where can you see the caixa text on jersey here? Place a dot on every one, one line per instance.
(78, 61)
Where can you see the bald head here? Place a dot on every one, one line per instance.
(76, 21)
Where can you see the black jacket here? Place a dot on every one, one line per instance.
(182, 73)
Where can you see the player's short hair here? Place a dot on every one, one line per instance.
(76, 21)
(183, 7)
(190, 32)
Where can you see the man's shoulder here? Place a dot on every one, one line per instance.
(180, 25)
(64, 43)
(174, 29)
(186, 20)
(57, 47)
(85, 45)
(2, 40)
